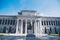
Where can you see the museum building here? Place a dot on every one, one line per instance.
(29, 22)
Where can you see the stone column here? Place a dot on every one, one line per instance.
(26, 26)
(32, 26)
(21, 26)
(40, 27)
(35, 27)
(17, 27)
(31, 22)
(1, 21)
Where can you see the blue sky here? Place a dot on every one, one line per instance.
(44, 7)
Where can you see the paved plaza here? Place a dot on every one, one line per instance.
(28, 38)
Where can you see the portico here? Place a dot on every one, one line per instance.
(28, 26)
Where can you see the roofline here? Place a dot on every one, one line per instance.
(24, 16)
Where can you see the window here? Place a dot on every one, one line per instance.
(1, 29)
(50, 30)
(12, 30)
(55, 30)
(47, 22)
(5, 22)
(58, 23)
(54, 22)
(8, 22)
(42, 22)
(9, 30)
(0, 21)
(13, 22)
(51, 22)
(4, 30)
(23, 27)
(45, 30)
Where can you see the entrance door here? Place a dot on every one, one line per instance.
(30, 28)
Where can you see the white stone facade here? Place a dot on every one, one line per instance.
(28, 22)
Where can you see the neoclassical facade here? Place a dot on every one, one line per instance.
(29, 22)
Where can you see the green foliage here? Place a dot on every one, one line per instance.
(54, 34)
